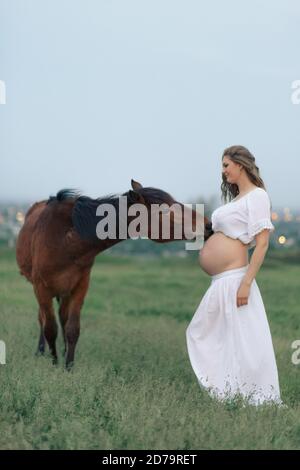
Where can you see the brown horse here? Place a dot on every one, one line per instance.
(56, 248)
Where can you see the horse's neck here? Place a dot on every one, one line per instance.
(103, 245)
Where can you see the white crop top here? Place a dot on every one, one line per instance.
(245, 217)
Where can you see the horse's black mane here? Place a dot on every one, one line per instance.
(64, 194)
(84, 211)
(153, 195)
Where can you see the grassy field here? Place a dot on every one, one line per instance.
(132, 386)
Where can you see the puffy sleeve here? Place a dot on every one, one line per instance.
(259, 212)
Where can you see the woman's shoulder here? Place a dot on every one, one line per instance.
(259, 189)
(258, 198)
(258, 194)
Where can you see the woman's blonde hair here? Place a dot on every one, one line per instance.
(240, 155)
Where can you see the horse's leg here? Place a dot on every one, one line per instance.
(72, 327)
(63, 317)
(41, 344)
(48, 318)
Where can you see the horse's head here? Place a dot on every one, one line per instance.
(177, 212)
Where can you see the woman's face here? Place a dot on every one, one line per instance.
(230, 170)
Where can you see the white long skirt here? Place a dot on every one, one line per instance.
(230, 348)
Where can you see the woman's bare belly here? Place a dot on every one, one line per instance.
(221, 253)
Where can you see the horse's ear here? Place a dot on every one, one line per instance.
(135, 197)
(135, 185)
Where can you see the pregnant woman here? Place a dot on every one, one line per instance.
(228, 340)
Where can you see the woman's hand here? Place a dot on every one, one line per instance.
(242, 294)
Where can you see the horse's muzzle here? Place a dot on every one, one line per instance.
(208, 231)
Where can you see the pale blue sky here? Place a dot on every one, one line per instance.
(99, 92)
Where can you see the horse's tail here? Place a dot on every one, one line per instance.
(63, 195)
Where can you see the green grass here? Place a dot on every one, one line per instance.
(132, 386)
